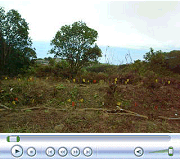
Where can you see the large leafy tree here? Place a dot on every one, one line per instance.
(16, 50)
(76, 44)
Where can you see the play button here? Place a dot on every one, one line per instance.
(138, 151)
(17, 151)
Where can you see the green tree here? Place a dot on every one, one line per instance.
(15, 44)
(48, 58)
(156, 61)
(173, 60)
(155, 58)
(148, 56)
(75, 43)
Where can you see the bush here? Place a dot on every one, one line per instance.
(43, 71)
(63, 64)
(62, 69)
(156, 62)
(98, 68)
(52, 62)
(121, 67)
(59, 69)
(139, 67)
(32, 71)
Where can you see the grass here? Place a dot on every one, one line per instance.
(54, 105)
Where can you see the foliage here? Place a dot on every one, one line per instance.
(75, 43)
(94, 76)
(39, 59)
(155, 58)
(156, 61)
(15, 44)
(52, 62)
(47, 58)
(139, 67)
(63, 64)
(173, 60)
(100, 68)
(62, 69)
(31, 71)
(44, 71)
(57, 69)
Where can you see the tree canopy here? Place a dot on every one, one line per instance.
(16, 50)
(159, 61)
(155, 58)
(173, 60)
(76, 44)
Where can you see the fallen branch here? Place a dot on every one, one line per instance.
(33, 108)
(137, 115)
(5, 107)
(119, 112)
(130, 112)
(127, 111)
(93, 109)
(163, 117)
(2, 110)
(122, 112)
(37, 108)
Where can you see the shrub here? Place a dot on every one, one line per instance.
(52, 62)
(98, 68)
(139, 67)
(32, 71)
(43, 71)
(63, 64)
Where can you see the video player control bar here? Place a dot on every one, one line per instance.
(80, 146)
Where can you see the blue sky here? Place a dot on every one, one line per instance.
(114, 55)
(120, 24)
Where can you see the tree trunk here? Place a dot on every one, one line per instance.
(2, 53)
(5, 52)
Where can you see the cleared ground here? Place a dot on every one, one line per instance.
(41, 105)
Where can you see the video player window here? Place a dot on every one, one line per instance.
(89, 67)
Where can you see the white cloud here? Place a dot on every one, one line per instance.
(124, 24)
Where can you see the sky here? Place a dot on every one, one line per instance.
(124, 24)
